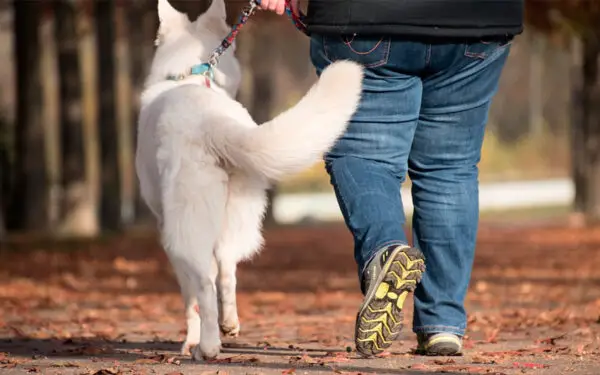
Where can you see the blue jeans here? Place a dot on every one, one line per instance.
(423, 112)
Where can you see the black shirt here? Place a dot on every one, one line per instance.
(417, 18)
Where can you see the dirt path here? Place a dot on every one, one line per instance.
(112, 307)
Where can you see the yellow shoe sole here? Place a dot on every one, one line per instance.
(379, 320)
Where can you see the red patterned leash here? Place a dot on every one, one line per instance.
(297, 19)
(207, 69)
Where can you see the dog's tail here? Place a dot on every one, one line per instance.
(297, 138)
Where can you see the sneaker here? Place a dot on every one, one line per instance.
(439, 344)
(387, 280)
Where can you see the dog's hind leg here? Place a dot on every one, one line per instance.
(226, 282)
(205, 328)
(241, 237)
(192, 310)
(194, 211)
(210, 341)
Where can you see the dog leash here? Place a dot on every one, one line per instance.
(297, 19)
(207, 69)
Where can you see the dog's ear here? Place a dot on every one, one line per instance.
(170, 19)
(216, 10)
(214, 18)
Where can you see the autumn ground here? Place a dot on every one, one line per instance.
(112, 307)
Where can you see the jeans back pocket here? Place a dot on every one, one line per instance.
(366, 50)
(484, 49)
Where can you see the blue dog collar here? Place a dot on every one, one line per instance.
(199, 69)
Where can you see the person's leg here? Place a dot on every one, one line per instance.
(367, 166)
(443, 169)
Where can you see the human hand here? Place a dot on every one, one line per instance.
(278, 6)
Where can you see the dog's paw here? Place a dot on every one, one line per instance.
(230, 330)
(206, 352)
(192, 339)
(187, 347)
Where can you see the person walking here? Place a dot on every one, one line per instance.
(431, 70)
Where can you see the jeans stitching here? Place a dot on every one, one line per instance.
(348, 43)
(384, 42)
(484, 55)
(386, 55)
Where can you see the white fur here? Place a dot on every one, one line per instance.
(204, 165)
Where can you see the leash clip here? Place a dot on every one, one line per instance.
(247, 12)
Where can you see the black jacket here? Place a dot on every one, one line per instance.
(417, 18)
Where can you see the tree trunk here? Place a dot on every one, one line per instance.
(143, 23)
(590, 124)
(2, 226)
(5, 171)
(536, 83)
(110, 202)
(586, 136)
(29, 208)
(263, 91)
(51, 111)
(124, 120)
(89, 96)
(6, 168)
(79, 214)
(577, 133)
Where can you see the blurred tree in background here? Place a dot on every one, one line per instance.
(28, 187)
(575, 24)
(68, 128)
(79, 67)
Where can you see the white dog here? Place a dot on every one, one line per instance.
(204, 165)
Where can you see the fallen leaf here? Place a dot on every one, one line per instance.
(87, 351)
(491, 336)
(264, 344)
(107, 371)
(529, 365)
(173, 360)
(459, 368)
(6, 362)
(234, 359)
(482, 360)
(159, 358)
(65, 364)
(325, 360)
(468, 344)
(551, 340)
(446, 361)
(146, 361)
(419, 366)
(304, 359)
(291, 371)
(581, 350)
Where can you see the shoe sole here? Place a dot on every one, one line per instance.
(379, 320)
(442, 348)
